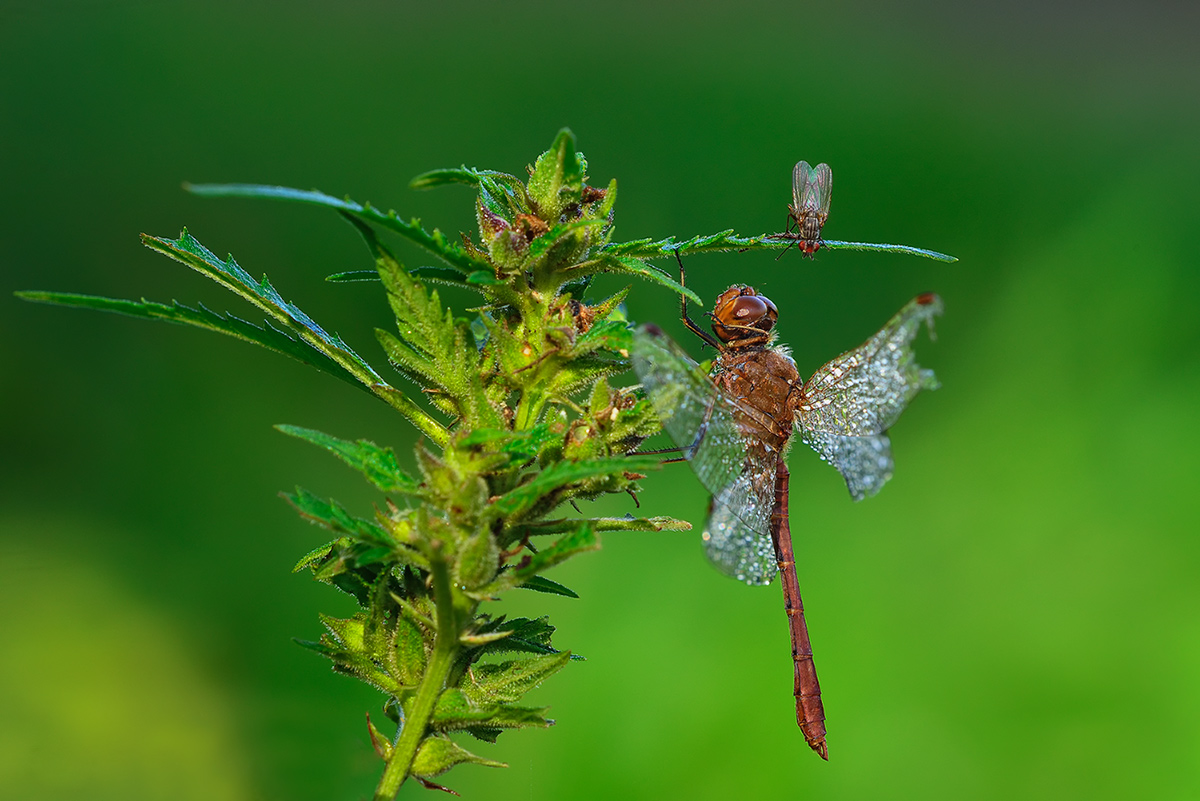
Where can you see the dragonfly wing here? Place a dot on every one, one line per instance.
(702, 421)
(864, 461)
(851, 402)
(694, 413)
(737, 536)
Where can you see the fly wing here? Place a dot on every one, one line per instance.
(851, 402)
(811, 189)
(701, 420)
(823, 189)
(799, 185)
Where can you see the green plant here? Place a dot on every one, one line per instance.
(519, 418)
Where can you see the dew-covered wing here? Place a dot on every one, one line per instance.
(694, 413)
(851, 402)
(737, 535)
(701, 420)
(811, 189)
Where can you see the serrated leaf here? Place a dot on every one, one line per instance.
(275, 339)
(318, 553)
(348, 632)
(557, 179)
(831, 244)
(562, 474)
(454, 712)
(434, 343)
(574, 542)
(613, 335)
(506, 682)
(561, 233)
(629, 265)
(438, 754)
(520, 446)
(436, 242)
(409, 656)
(601, 524)
(379, 465)
(610, 308)
(451, 175)
(328, 514)
(543, 584)
(354, 276)
(229, 274)
(484, 278)
(726, 241)
(346, 647)
(497, 184)
(293, 323)
(521, 635)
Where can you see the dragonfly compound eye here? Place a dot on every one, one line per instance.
(743, 316)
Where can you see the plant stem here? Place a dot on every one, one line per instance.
(445, 650)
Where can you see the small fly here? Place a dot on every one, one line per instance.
(809, 210)
(811, 188)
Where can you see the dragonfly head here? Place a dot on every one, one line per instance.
(742, 317)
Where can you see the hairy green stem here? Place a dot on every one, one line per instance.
(437, 671)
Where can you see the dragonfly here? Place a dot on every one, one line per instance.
(734, 424)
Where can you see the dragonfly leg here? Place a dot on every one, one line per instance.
(687, 321)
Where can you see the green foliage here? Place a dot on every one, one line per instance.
(518, 419)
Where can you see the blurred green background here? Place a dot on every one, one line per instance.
(1016, 616)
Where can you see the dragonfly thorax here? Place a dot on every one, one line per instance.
(768, 389)
(743, 318)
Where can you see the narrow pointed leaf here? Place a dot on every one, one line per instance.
(454, 712)
(270, 337)
(354, 276)
(562, 474)
(520, 634)
(379, 465)
(318, 553)
(436, 242)
(328, 514)
(557, 179)
(188, 250)
(582, 539)
(831, 244)
(506, 682)
(434, 344)
(628, 265)
(543, 584)
(438, 754)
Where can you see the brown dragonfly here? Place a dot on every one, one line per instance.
(735, 423)
(811, 188)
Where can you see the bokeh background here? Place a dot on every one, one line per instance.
(1016, 616)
